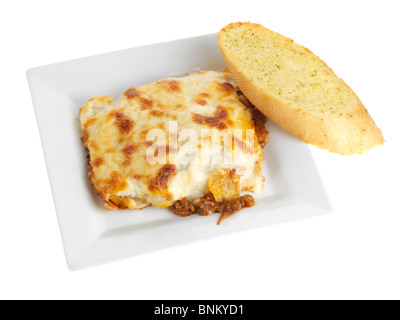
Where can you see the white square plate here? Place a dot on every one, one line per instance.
(92, 235)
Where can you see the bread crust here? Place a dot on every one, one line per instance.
(347, 134)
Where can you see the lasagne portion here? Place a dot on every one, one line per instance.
(193, 144)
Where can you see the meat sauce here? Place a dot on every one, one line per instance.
(208, 206)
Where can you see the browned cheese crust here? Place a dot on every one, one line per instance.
(297, 90)
(115, 134)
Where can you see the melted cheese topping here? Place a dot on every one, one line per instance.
(127, 139)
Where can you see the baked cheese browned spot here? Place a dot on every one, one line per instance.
(124, 123)
(261, 132)
(204, 94)
(133, 93)
(172, 85)
(127, 151)
(115, 183)
(226, 86)
(208, 206)
(297, 90)
(220, 113)
(200, 102)
(160, 181)
(224, 184)
(230, 207)
(97, 162)
(145, 103)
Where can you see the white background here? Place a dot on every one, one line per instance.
(351, 253)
